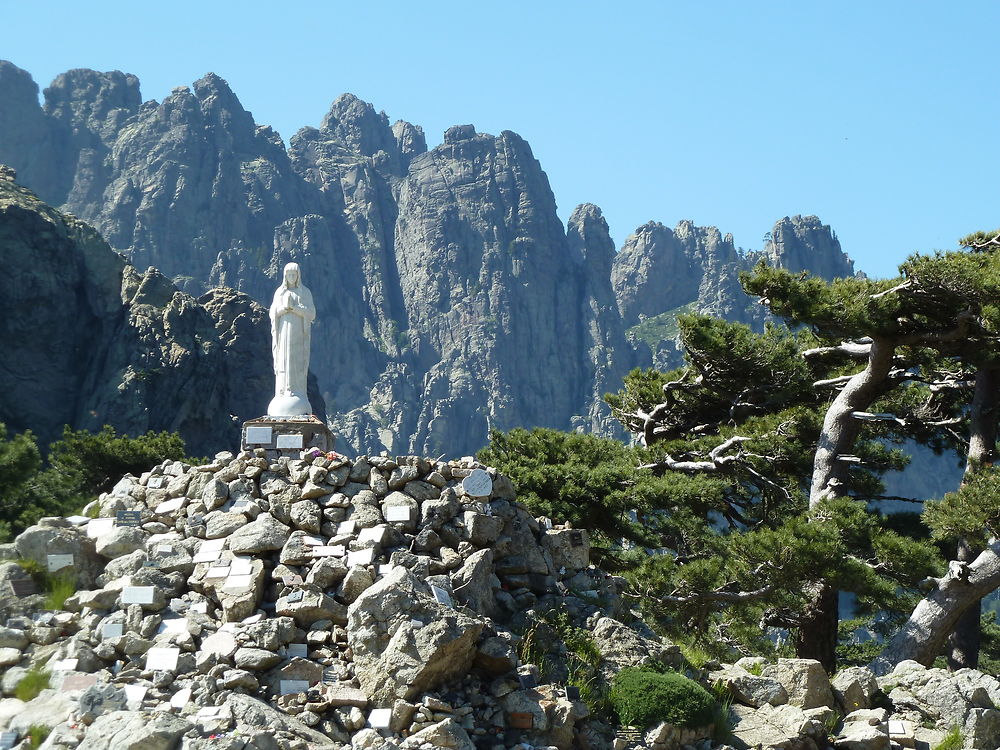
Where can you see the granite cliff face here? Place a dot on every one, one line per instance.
(88, 340)
(450, 297)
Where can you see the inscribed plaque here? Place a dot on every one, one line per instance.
(58, 562)
(379, 718)
(289, 442)
(64, 665)
(24, 587)
(134, 695)
(374, 534)
(112, 630)
(238, 582)
(293, 686)
(441, 596)
(218, 571)
(138, 595)
(398, 513)
(298, 649)
(520, 720)
(478, 484)
(179, 699)
(78, 682)
(212, 545)
(361, 557)
(259, 435)
(128, 518)
(335, 550)
(162, 658)
(346, 527)
(241, 566)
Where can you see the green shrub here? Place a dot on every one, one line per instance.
(58, 589)
(38, 733)
(951, 741)
(34, 682)
(643, 698)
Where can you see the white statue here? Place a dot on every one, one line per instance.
(292, 312)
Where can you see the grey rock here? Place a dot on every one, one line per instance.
(263, 535)
(126, 730)
(805, 680)
(122, 540)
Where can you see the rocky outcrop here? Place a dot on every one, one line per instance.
(88, 340)
(450, 298)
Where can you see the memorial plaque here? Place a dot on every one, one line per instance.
(170, 506)
(441, 596)
(179, 699)
(64, 665)
(478, 484)
(528, 681)
(380, 718)
(520, 720)
(415, 623)
(241, 566)
(398, 513)
(217, 571)
(289, 442)
(173, 625)
(162, 658)
(128, 518)
(572, 693)
(24, 587)
(240, 505)
(150, 564)
(298, 650)
(361, 557)
(293, 580)
(295, 596)
(576, 538)
(347, 527)
(98, 526)
(259, 435)
(78, 682)
(329, 676)
(385, 569)
(629, 734)
(78, 520)
(238, 582)
(59, 562)
(334, 550)
(312, 541)
(201, 607)
(164, 549)
(134, 695)
(112, 630)
(138, 595)
(8, 740)
(293, 686)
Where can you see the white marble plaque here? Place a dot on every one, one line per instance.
(206, 557)
(78, 520)
(64, 665)
(415, 623)
(293, 686)
(134, 695)
(164, 549)
(241, 566)
(312, 541)
(374, 534)
(361, 557)
(259, 435)
(385, 569)
(112, 630)
(346, 527)
(218, 571)
(335, 550)
(298, 649)
(179, 699)
(398, 513)
(173, 625)
(201, 607)
(289, 442)
(380, 718)
(138, 595)
(58, 562)
(162, 658)
(158, 482)
(478, 484)
(98, 526)
(238, 582)
(170, 506)
(212, 545)
(441, 595)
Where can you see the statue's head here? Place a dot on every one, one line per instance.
(291, 274)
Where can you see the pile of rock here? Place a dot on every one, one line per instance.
(320, 602)
(298, 603)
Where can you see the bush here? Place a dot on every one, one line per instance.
(952, 741)
(37, 734)
(642, 698)
(34, 682)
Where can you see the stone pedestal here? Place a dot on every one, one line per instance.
(286, 436)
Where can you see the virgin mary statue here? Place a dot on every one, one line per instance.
(292, 312)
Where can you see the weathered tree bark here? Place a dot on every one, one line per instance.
(933, 619)
(817, 635)
(964, 642)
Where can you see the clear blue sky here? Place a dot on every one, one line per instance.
(880, 118)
